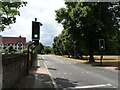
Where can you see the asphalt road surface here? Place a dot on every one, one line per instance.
(67, 74)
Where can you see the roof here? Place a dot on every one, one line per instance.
(13, 40)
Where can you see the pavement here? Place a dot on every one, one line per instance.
(38, 78)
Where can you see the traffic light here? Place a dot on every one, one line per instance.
(101, 44)
(35, 30)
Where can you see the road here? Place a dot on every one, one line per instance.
(70, 74)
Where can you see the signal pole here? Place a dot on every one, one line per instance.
(101, 48)
(35, 38)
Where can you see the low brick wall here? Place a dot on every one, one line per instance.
(14, 69)
(1, 71)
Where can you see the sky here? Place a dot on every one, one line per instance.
(44, 11)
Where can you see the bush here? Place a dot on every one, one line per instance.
(25, 50)
(5, 51)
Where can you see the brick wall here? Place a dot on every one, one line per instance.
(14, 69)
(1, 71)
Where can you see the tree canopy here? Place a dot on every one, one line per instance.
(8, 12)
(85, 23)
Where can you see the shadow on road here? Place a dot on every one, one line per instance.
(33, 81)
(65, 83)
(105, 64)
(52, 68)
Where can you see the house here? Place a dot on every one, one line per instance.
(17, 43)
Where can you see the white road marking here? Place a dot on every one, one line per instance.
(65, 73)
(38, 62)
(55, 85)
(93, 86)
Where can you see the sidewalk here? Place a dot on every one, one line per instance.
(38, 77)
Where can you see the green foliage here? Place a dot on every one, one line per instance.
(11, 49)
(5, 50)
(4, 47)
(24, 50)
(84, 24)
(8, 12)
(47, 49)
(41, 48)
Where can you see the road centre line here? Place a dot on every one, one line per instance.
(92, 86)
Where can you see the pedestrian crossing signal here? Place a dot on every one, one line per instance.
(101, 44)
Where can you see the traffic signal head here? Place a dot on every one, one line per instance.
(101, 44)
(35, 30)
(35, 35)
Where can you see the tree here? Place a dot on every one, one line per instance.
(77, 17)
(10, 49)
(47, 49)
(55, 45)
(8, 11)
(41, 48)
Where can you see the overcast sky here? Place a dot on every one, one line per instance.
(44, 11)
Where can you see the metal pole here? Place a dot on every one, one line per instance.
(28, 57)
(32, 56)
(101, 59)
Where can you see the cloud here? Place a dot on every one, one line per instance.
(44, 11)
